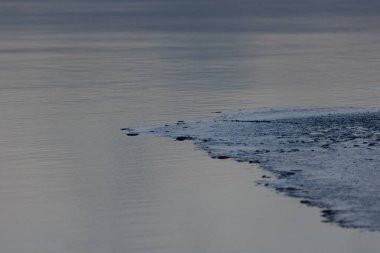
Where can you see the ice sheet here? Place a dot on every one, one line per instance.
(328, 157)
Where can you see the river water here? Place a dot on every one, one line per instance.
(72, 74)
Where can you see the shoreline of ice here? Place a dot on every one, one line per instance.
(328, 157)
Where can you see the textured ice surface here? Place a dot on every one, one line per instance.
(329, 157)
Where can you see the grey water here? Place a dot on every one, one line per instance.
(72, 73)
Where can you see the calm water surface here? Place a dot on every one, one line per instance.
(72, 74)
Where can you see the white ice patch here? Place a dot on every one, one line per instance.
(329, 157)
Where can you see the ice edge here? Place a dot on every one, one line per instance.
(316, 154)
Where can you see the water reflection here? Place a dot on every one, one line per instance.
(191, 16)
